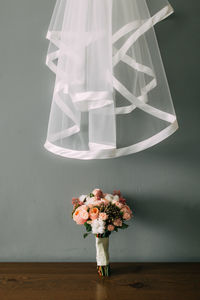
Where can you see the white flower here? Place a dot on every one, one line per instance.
(109, 197)
(82, 197)
(116, 198)
(98, 226)
(89, 200)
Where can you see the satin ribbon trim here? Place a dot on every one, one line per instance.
(111, 153)
(143, 106)
(64, 134)
(122, 56)
(126, 29)
(162, 14)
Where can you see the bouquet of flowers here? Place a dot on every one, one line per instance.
(101, 214)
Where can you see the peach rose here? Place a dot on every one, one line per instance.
(90, 205)
(84, 207)
(80, 216)
(118, 222)
(103, 216)
(111, 227)
(96, 203)
(84, 214)
(94, 213)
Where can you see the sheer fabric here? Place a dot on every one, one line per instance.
(111, 95)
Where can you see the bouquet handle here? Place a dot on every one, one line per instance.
(102, 256)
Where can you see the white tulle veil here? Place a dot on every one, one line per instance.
(111, 95)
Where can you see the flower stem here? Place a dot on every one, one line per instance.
(104, 271)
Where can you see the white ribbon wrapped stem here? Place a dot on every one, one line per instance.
(102, 252)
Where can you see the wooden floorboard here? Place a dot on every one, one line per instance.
(79, 281)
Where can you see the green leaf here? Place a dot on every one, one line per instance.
(85, 235)
(116, 229)
(124, 226)
(91, 195)
(107, 233)
(88, 227)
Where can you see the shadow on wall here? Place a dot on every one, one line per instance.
(176, 220)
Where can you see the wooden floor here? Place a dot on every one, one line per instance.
(79, 281)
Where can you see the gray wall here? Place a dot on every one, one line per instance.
(36, 187)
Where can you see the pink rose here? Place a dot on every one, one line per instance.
(126, 216)
(118, 204)
(111, 227)
(105, 201)
(126, 209)
(103, 216)
(118, 222)
(98, 194)
(94, 213)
